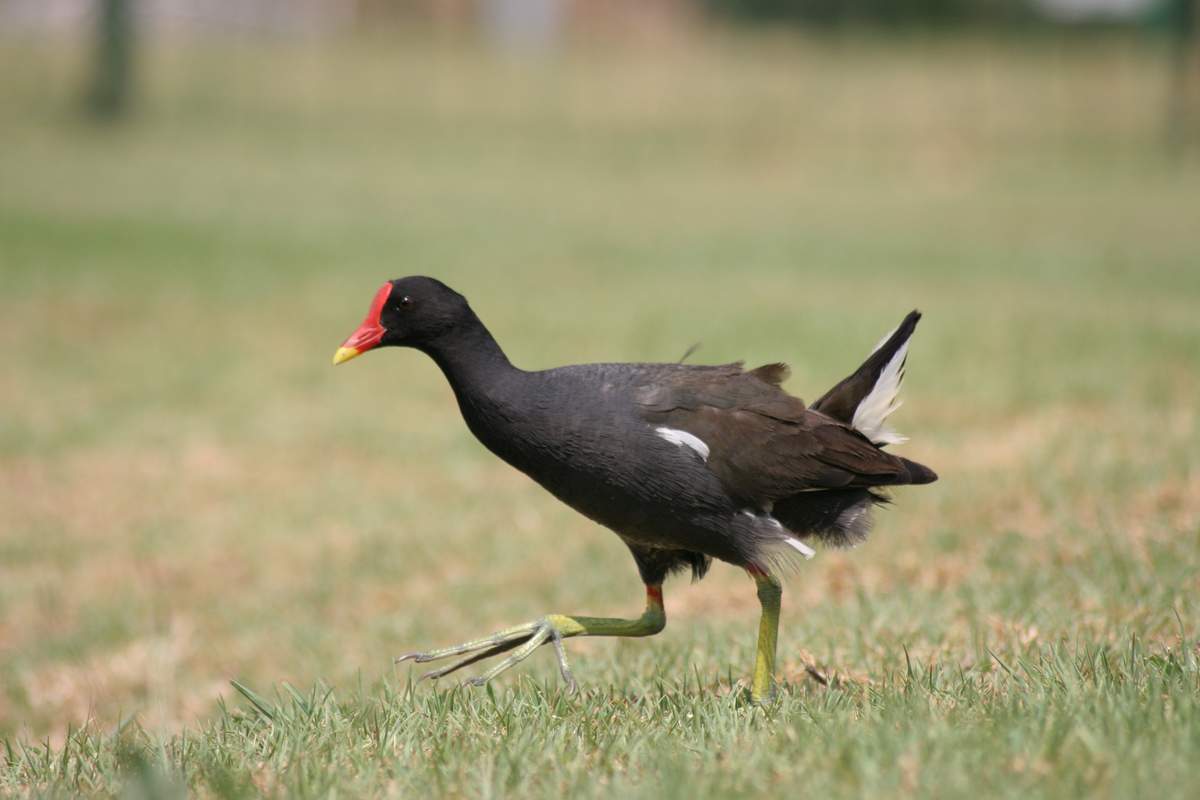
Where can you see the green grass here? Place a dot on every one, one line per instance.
(190, 495)
(1055, 723)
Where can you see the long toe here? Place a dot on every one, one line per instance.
(517, 634)
(523, 640)
(540, 636)
(471, 659)
(563, 668)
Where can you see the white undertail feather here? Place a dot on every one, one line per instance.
(780, 554)
(801, 547)
(783, 556)
(684, 439)
(870, 417)
(855, 524)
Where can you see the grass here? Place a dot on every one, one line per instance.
(189, 495)
(1047, 725)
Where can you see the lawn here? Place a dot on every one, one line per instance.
(191, 496)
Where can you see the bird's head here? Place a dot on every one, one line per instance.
(406, 312)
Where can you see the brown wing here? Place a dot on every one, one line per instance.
(764, 444)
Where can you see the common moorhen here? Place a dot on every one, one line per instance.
(685, 463)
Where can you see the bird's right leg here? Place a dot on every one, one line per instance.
(532, 635)
(770, 594)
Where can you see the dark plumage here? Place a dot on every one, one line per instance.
(685, 463)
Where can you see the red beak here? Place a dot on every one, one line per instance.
(370, 333)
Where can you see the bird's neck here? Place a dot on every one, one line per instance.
(480, 374)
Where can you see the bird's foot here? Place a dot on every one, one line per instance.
(524, 639)
(553, 628)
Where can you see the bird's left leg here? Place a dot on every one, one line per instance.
(550, 628)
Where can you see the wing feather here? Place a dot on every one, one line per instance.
(765, 445)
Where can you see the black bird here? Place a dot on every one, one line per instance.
(685, 463)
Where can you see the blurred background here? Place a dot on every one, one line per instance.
(197, 201)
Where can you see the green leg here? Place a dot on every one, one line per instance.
(770, 593)
(524, 639)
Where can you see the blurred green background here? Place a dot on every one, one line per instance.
(189, 492)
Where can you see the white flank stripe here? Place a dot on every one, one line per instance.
(804, 549)
(872, 413)
(684, 439)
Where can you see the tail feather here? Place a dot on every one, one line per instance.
(865, 399)
(918, 473)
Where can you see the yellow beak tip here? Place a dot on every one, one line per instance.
(344, 354)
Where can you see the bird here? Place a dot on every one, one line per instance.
(685, 463)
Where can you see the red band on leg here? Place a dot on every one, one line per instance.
(654, 594)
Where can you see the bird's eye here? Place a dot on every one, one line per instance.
(406, 301)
